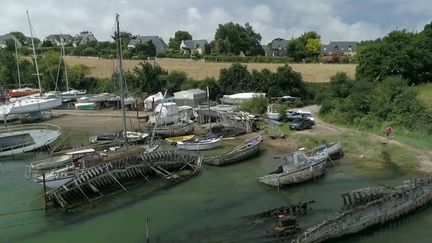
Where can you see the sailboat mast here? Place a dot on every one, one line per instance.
(34, 53)
(64, 62)
(120, 67)
(16, 56)
(208, 103)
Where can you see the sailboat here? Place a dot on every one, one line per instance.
(20, 92)
(34, 104)
(69, 94)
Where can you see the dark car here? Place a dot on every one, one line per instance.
(292, 115)
(300, 124)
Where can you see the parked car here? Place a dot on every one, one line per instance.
(309, 115)
(291, 115)
(300, 123)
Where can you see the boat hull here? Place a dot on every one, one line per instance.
(24, 138)
(234, 157)
(214, 143)
(174, 130)
(306, 173)
(85, 106)
(55, 182)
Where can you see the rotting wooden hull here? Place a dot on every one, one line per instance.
(241, 153)
(174, 130)
(297, 176)
(334, 150)
(105, 177)
(401, 201)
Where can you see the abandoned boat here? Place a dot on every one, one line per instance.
(174, 140)
(247, 149)
(133, 137)
(375, 209)
(207, 142)
(23, 138)
(297, 168)
(91, 183)
(173, 130)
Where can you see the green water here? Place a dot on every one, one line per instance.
(210, 207)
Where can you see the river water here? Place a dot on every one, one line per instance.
(211, 207)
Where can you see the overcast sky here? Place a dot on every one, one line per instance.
(333, 19)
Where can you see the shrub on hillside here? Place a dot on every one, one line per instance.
(256, 105)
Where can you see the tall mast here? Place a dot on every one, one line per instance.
(208, 103)
(120, 67)
(16, 56)
(34, 53)
(64, 62)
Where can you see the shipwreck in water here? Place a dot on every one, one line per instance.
(371, 207)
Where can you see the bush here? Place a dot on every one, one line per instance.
(282, 109)
(256, 105)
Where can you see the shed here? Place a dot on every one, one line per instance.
(191, 97)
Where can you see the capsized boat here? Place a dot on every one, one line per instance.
(247, 149)
(207, 142)
(23, 138)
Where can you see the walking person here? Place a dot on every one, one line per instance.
(388, 132)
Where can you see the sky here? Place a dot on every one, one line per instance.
(334, 20)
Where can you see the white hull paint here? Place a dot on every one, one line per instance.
(199, 146)
(40, 135)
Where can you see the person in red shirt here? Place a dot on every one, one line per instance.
(388, 132)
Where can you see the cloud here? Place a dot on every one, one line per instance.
(333, 19)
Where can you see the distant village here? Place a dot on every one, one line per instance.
(276, 48)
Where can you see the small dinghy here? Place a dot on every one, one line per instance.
(174, 140)
(207, 142)
(134, 137)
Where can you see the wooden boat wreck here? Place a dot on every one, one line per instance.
(247, 149)
(133, 137)
(372, 207)
(174, 130)
(298, 167)
(92, 182)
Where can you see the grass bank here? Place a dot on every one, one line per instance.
(359, 145)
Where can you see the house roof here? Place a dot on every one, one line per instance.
(278, 43)
(82, 36)
(195, 44)
(160, 44)
(340, 46)
(58, 37)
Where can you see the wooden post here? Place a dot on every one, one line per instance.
(147, 232)
(44, 192)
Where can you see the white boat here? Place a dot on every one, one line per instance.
(29, 105)
(272, 113)
(199, 144)
(99, 97)
(239, 98)
(134, 137)
(23, 138)
(165, 113)
(73, 94)
(58, 177)
(52, 162)
(84, 103)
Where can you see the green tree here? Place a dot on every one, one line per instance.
(179, 36)
(235, 38)
(174, 81)
(78, 77)
(47, 43)
(48, 67)
(234, 79)
(299, 48)
(313, 46)
(145, 49)
(20, 36)
(89, 51)
(147, 77)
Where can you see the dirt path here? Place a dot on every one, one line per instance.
(324, 129)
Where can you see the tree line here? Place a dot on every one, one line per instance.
(384, 91)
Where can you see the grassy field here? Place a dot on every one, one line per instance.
(200, 70)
